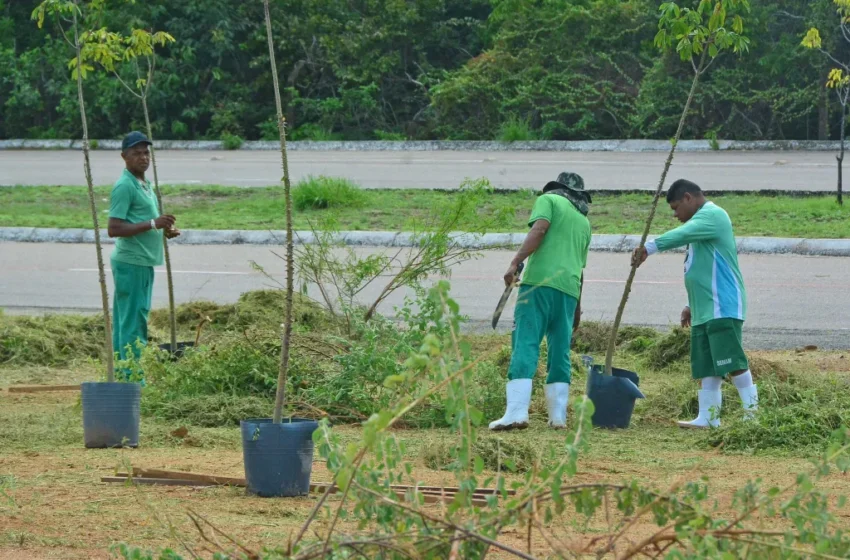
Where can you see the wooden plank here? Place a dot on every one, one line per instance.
(427, 497)
(180, 475)
(41, 388)
(162, 481)
(233, 481)
(122, 477)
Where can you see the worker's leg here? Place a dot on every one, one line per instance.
(725, 336)
(702, 368)
(559, 340)
(132, 300)
(530, 320)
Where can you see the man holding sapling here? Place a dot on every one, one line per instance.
(717, 300)
(549, 298)
(135, 221)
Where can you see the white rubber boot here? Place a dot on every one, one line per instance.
(750, 400)
(709, 411)
(557, 398)
(518, 393)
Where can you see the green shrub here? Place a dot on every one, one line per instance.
(317, 193)
(93, 144)
(231, 141)
(390, 136)
(315, 133)
(516, 130)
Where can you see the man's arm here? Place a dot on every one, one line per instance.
(700, 227)
(123, 228)
(532, 243)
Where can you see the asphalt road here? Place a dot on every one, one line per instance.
(794, 301)
(807, 171)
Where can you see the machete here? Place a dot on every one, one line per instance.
(505, 295)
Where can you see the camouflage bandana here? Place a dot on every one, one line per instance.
(571, 187)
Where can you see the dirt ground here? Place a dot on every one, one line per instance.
(54, 506)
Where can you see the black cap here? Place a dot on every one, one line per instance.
(133, 139)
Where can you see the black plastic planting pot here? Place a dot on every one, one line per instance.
(178, 352)
(613, 396)
(278, 457)
(111, 414)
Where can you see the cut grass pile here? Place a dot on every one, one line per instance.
(212, 207)
(232, 375)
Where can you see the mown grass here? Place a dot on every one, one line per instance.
(233, 374)
(215, 207)
(51, 500)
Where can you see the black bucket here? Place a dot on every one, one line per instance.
(111, 414)
(613, 396)
(179, 351)
(278, 457)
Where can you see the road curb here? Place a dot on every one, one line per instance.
(451, 145)
(609, 243)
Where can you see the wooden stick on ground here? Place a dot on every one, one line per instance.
(429, 494)
(42, 388)
(234, 481)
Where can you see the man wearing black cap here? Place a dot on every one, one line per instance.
(135, 221)
(549, 297)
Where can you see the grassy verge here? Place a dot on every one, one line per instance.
(212, 207)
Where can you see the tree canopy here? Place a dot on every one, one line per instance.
(424, 69)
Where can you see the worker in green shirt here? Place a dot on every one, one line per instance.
(717, 300)
(135, 221)
(549, 297)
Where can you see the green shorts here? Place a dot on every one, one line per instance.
(717, 348)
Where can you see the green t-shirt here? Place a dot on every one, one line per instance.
(135, 202)
(561, 257)
(712, 277)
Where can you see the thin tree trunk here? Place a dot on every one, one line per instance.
(280, 397)
(171, 312)
(823, 113)
(612, 342)
(104, 294)
(840, 158)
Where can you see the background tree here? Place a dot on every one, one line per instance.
(838, 79)
(70, 12)
(699, 35)
(435, 69)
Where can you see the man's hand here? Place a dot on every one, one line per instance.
(577, 318)
(165, 222)
(171, 233)
(686, 317)
(510, 275)
(639, 256)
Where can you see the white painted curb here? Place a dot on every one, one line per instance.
(603, 243)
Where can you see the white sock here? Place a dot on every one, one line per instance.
(744, 380)
(711, 383)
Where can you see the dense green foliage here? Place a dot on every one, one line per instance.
(459, 69)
